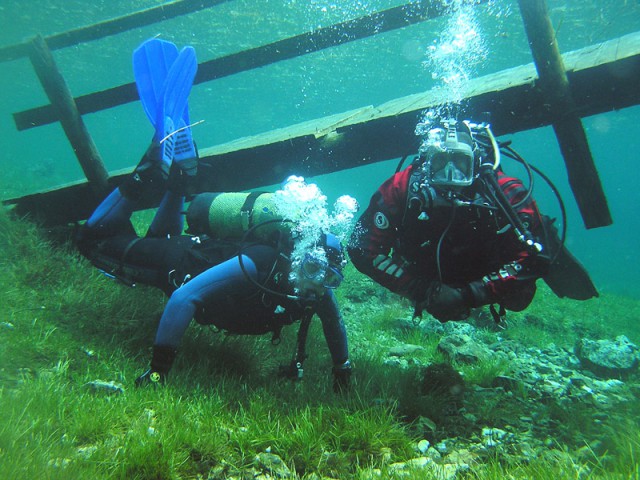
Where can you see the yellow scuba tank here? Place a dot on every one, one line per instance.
(231, 215)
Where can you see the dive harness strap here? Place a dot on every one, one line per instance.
(246, 211)
(119, 273)
(295, 370)
(417, 195)
(301, 347)
(117, 268)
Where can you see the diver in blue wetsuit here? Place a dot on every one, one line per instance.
(244, 285)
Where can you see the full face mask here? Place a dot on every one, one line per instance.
(450, 157)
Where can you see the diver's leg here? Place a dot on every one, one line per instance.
(152, 173)
(169, 219)
(112, 216)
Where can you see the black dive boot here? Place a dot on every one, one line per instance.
(342, 377)
(161, 362)
(182, 177)
(184, 168)
(151, 174)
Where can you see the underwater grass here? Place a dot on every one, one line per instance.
(484, 372)
(64, 326)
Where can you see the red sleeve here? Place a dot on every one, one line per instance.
(514, 284)
(372, 243)
(515, 191)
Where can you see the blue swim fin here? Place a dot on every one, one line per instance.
(164, 79)
(178, 84)
(175, 105)
(151, 63)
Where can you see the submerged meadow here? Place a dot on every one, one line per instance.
(74, 340)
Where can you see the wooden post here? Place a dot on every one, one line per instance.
(583, 175)
(61, 99)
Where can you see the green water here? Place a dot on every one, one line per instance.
(364, 72)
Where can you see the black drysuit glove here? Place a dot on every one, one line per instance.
(444, 302)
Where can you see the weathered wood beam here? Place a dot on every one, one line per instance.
(603, 77)
(112, 26)
(316, 40)
(581, 169)
(60, 97)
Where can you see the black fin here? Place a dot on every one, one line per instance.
(566, 276)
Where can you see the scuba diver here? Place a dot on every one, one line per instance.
(243, 284)
(453, 232)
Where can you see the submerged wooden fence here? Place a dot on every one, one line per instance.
(519, 99)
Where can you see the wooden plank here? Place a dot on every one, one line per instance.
(112, 26)
(58, 92)
(554, 83)
(313, 128)
(322, 38)
(371, 134)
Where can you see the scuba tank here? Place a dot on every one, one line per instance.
(232, 215)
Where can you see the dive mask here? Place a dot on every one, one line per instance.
(320, 271)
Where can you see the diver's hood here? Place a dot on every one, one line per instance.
(334, 250)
